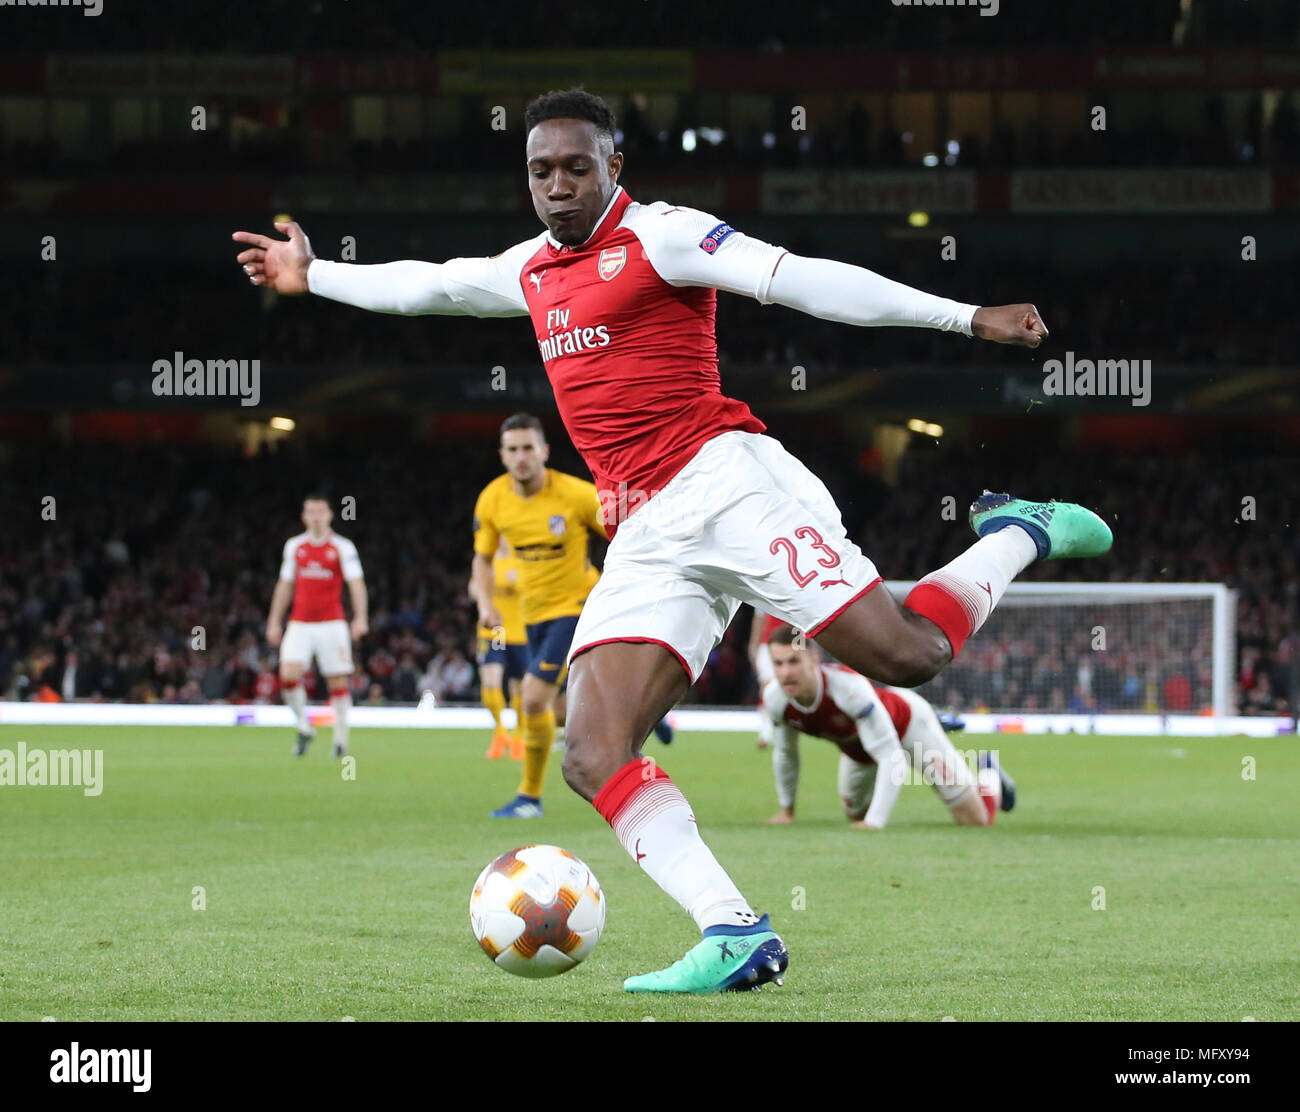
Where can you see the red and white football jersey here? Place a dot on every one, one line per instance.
(843, 697)
(625, 327)
(318, 572)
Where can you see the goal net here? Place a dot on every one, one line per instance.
(1096, 648)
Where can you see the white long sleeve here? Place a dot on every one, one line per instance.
(854, 295)
(880, 740)
(785, 763)
(408, 287)
(476, 287)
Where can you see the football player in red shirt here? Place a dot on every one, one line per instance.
(313, 569)
(703, 511)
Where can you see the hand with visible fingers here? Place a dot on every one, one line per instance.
(280, 264)
(1009, 324)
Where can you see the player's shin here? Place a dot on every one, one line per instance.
(495, 701)
(517, 738)
(655, 824)
(961, 595)
(341, 704)
(295, 698)
(539, 735)
(517, 705)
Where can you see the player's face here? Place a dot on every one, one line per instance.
(572, 173)
(795, 670)
(524, 454)
(317, 515)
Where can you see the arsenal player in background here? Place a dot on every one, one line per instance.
(313, 570)
(880, 731)
(702, 510)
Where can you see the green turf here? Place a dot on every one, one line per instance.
(327, 898)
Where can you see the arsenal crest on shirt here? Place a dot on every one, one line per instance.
(557, 524)
(611, 261)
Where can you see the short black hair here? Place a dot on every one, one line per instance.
(523, 421)
(571, 104)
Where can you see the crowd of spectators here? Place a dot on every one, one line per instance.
(151, 578)
(1176, 518)
(1208, 312)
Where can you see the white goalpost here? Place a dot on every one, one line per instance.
(1097, 648)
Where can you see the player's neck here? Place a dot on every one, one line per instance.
(528, 489)
(317, 538)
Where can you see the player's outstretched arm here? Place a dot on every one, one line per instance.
(471, 287)
(854, 295)
(689, 247)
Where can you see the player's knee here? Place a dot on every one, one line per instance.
(537, 701)
(580, 768)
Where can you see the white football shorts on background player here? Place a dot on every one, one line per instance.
(329, 642)
(743, 522)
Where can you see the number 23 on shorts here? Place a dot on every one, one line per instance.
(827, 556)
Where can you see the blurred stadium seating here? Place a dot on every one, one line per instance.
(371, 121)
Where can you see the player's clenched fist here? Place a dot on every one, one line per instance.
(280, 264)
(1021, 325)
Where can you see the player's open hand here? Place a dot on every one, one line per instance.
(1009, 324)
(280, 264)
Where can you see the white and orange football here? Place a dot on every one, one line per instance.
(537, 911)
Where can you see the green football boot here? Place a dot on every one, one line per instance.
(1060, 529)
(726, 959)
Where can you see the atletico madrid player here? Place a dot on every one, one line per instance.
(703, 511)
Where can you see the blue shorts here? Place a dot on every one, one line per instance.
(548, 648)
(514, 657)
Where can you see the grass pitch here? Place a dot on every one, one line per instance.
(327, 898)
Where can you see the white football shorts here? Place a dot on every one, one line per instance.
(329, 642)
(743, 522)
